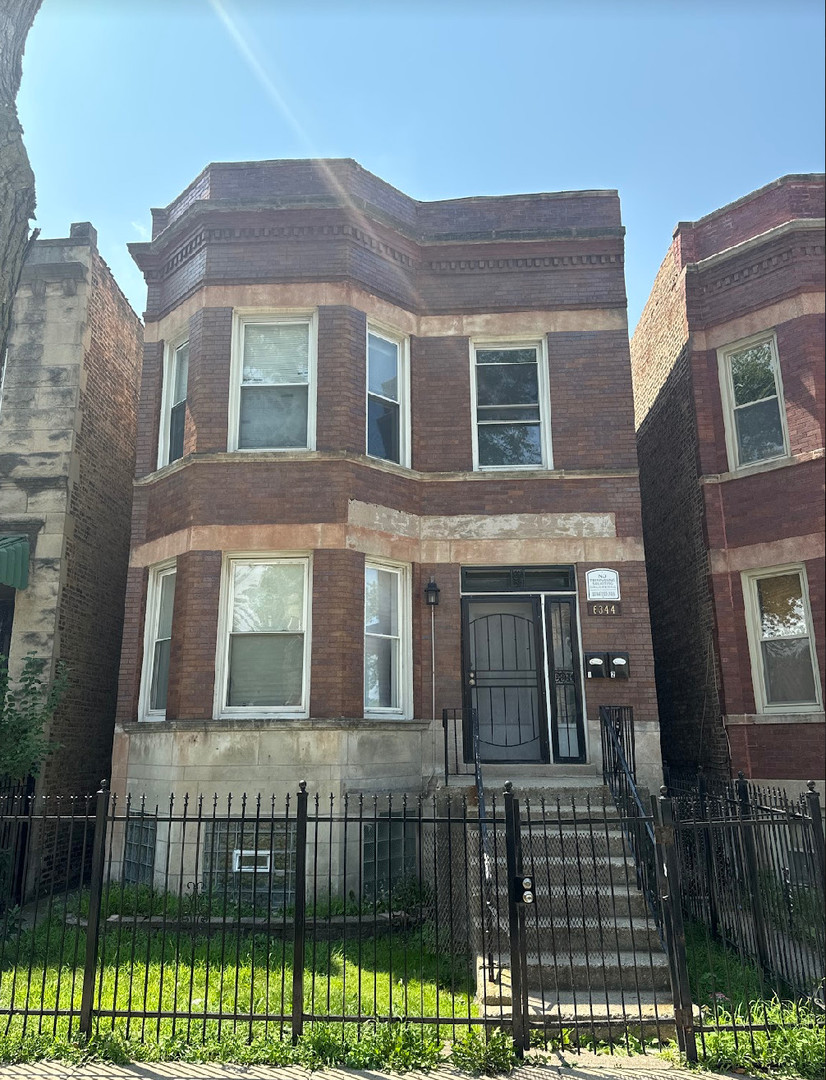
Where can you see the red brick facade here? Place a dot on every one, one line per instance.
(281, 237)
(752, 268)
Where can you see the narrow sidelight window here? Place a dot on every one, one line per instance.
(385, 639)
(508, 387)
(266, 643)
(172, 433)
(274, 407)
(782, 645)
(756, 415)
(386, 426)
(159, 610)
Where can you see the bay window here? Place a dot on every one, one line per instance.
(160, 604)
(263, 651)
(176, 377)
(272, 402)
(387, 428)
(386, 640)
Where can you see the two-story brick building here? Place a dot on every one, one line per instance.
(349, 396)
(729, 393)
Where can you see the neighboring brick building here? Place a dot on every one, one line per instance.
(67, 452)
(729, 391)
(347, 394)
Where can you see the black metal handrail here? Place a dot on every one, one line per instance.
(619, 775)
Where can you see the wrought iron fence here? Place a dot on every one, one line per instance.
(266, 917)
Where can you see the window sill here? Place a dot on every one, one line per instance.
(807, 715)
(259, 723)
(762, 467)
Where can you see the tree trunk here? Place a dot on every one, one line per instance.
(17, 198)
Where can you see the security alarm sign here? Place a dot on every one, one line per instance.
(602, 584)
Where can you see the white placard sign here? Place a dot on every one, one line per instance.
(602, 584)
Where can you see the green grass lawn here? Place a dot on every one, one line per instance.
(733, 992)
(394, 973)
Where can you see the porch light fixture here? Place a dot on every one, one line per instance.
(431, 593)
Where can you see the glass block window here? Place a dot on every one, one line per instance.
(139, 850)
(389, 855)
(250, 862)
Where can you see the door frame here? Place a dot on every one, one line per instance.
(556, 758)
(541, 666)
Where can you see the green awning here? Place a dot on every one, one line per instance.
(14, 561)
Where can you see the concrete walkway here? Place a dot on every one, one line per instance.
(573, 1067)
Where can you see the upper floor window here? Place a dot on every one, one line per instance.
(387, 427)
(160, 602)
(753, 397)
(173, 409)
(263, 651)
(510, 429)
(780, 637)
(272, 398)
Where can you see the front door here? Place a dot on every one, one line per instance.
(504, 678)
(522, 676)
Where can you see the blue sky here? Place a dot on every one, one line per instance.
(682, 106)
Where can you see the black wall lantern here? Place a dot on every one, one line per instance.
(431, 593)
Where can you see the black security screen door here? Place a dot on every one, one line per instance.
(504, 677)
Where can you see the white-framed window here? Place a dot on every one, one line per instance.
(388, 426)
(272, 401)
(752, 391)
(781, 640)
(263, 658)
(160, 602)
(173, 403)
(511, 425)
(387, 640)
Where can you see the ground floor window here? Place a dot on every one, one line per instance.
(387, 639)
(264, 642)
(780, 635)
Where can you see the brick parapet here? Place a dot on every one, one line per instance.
(790, 197)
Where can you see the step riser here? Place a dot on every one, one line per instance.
(548, 980)
(559, 941)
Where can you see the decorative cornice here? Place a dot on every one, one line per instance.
(465, 266)
(760, 267)
(353, 233)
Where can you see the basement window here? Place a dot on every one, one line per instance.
(250, 861)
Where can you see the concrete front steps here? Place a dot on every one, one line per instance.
(593, 953)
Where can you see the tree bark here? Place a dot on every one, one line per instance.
(17, 196)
